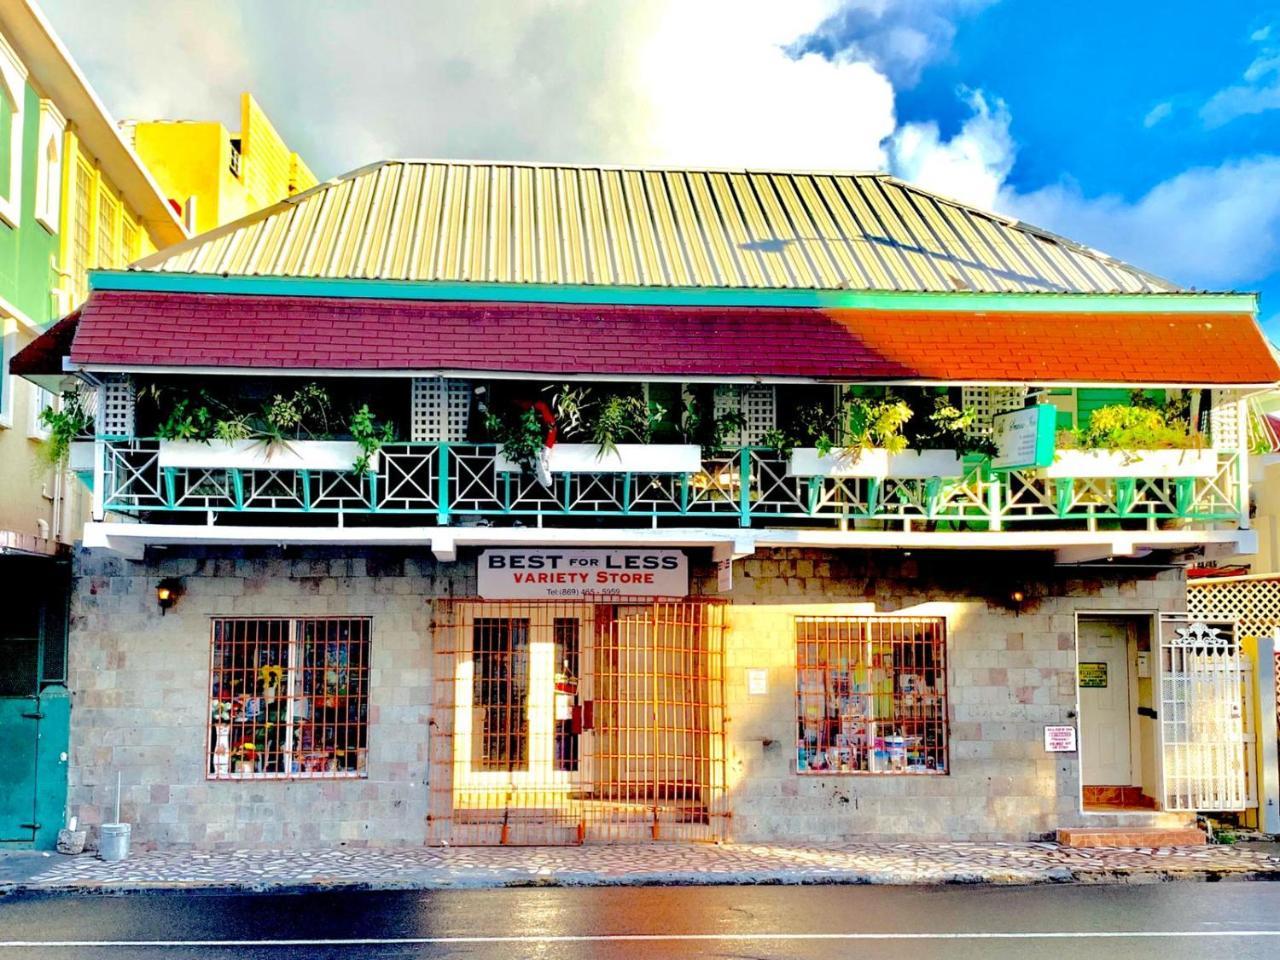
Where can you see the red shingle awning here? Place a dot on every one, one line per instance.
(124, 329)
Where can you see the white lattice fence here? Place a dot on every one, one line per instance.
(115, 415)
(986, 402)
(440, 409)
(758, 404)
(1252, 602)
(1224, 420)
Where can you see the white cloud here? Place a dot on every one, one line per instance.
(898, 37)
(1215, 227)
(1259, 93)
(1160, 111)
(971, 166)
(665, 81)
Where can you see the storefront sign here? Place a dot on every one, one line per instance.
(1093, 674)
(1060, 739)
(536, 574)
(1025, 438)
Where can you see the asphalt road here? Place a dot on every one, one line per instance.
(1176, 921)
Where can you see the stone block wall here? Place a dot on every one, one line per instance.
(1011, 672)
(140, 695)
(139, 683)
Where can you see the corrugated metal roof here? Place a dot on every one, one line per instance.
(532, 223)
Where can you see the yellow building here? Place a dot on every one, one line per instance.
(215, 175)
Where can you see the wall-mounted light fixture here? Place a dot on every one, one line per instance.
(1017, 598)
(167, 592)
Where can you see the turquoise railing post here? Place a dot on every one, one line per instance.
(442, 485)
(744, 487)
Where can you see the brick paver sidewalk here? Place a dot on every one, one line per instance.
(431, 868)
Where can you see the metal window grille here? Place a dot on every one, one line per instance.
(871, 695)
(288, 698)
(986, 402)
(116, 409)
(577, 721)
(440, 409)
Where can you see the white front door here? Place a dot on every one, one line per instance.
(1103, 678)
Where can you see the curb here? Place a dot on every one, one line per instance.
(1057, 875)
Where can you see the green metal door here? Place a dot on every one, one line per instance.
(19, 737)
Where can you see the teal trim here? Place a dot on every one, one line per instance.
(674, 296)
(442, 481)
(744, 486)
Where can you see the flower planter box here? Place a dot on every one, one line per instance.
(908, 465)
(628, 458)
(258, 455)
(1133, 463)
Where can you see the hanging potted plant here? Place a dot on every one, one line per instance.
(70, 426)
(1133, 440)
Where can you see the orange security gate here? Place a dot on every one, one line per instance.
(562, 722)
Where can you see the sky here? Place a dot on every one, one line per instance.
(1149, 129)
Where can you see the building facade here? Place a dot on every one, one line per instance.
(502, 504)
(73, 197)
(215, 175)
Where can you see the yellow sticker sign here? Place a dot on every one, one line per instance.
(1093, 674)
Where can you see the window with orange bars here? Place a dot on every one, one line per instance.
(288, 698)
(871, 695)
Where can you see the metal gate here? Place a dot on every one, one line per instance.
(1201, 715)
(560, 722)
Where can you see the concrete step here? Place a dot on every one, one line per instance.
(1188, 836)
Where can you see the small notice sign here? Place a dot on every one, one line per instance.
(1093, 674)
(534, 573)
(724, 575)
(1025, 438)
(1060, 739)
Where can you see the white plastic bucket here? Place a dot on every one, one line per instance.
(113, 842)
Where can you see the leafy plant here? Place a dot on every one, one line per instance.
(73, 419)
(370, 436)
(875, 424)
(187, 420)
(947, 426)
(605, 418)
(1125, 427)
(522, 435)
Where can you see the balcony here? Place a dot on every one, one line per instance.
(473, 484)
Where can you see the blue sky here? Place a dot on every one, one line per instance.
(1147, 128)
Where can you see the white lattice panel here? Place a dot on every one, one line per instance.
(115, 416)
(1252, 602)
(758, 405)
(986, 402)
(440, 409)
(1224, 420)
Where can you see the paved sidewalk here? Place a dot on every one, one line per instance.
(473, 867)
